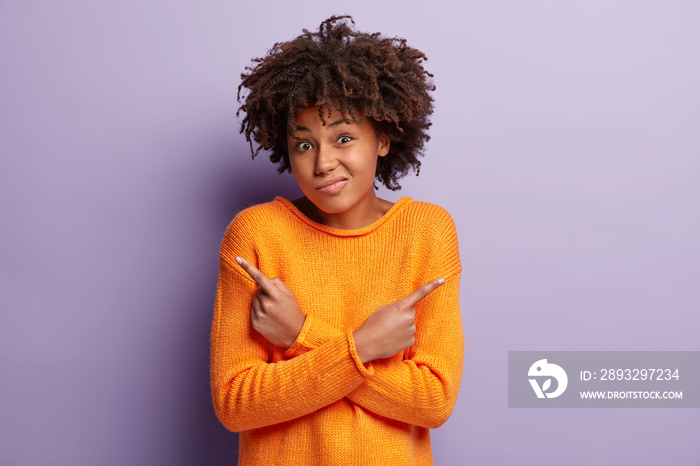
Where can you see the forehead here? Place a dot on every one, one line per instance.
(309, 118)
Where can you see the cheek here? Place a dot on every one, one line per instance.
(367, 166)
(300, 171)
(294, 164)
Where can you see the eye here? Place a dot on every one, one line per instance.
(303, 146)
(344, 139)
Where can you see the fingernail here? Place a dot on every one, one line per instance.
(239, 260)
(441, 281)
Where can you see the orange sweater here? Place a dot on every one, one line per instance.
(316, 403)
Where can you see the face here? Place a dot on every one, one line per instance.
(335, 165)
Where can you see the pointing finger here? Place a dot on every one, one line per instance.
(422, 291)
(259, 278)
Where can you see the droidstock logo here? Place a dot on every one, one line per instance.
(543, 369)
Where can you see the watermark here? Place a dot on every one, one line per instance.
(542, 369)
(604, 379)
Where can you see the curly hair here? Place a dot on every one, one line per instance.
(383, 78)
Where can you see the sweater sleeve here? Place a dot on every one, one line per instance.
(248, 391)
(422, 389)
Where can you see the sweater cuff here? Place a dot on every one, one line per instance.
(314, 333)
(299, 345)
(365, 369)
(307, 338)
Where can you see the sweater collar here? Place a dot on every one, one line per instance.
(398, 205)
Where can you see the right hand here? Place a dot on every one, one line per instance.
(391, 328)
(275, 313)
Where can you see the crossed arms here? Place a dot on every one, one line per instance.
(327, 363)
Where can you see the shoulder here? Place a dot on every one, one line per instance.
(433, 228)
(429, 217)
(255, 216)
(250, 224)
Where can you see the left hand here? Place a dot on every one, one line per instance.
(276, 313)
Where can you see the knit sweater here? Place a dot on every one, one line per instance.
(315, 403)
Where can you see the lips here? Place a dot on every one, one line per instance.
(333, 185)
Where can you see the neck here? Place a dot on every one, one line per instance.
(360, 216)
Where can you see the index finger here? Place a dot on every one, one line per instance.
(422, 291)
(257, 276)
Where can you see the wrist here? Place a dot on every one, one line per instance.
(297, 332)
(362, 346)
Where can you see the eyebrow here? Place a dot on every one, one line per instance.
(331, 125)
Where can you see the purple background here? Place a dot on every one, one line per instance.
(565, 145)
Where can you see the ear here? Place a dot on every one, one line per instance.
(383, 144)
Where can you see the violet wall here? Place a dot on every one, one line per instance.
(565, 145)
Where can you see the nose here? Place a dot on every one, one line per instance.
(326, 160)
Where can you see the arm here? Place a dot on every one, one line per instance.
(247, 391)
